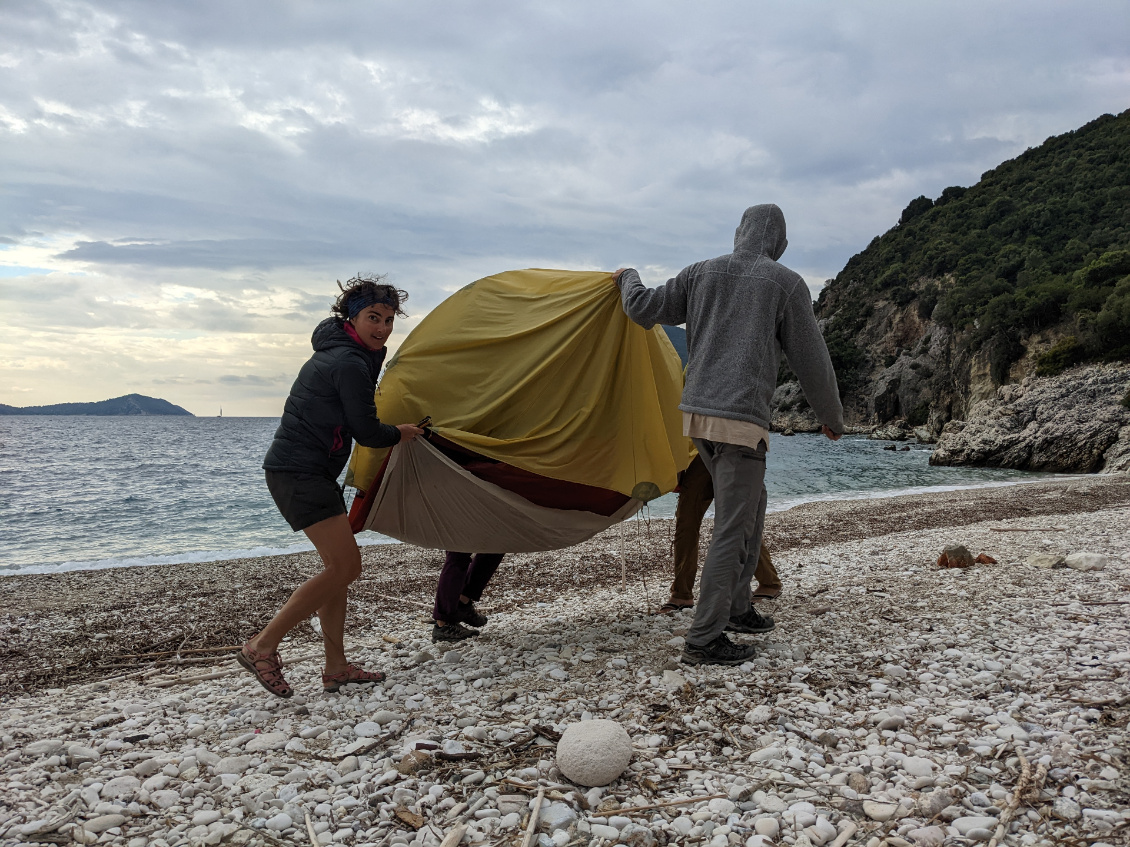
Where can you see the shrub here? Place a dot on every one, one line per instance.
(1063, 355)
(920, 205)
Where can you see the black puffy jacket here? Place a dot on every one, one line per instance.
(330, 404)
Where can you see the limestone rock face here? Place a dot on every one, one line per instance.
(594, 752)
(791, 411)
(1065, 423)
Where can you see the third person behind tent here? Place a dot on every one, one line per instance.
(696, 493)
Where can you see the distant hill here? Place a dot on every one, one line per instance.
(678, 337)
(130, 404)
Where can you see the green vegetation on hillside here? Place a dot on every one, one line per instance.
(1043, 239)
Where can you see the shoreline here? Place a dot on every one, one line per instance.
(786, 503)
(895, 699)
(212, 610)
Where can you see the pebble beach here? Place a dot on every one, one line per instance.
(896, 702)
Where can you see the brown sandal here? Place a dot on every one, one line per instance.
(669, 608)
(351, 675)
(267, 668)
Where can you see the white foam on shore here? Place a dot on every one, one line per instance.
(196, 557)
(783, 504)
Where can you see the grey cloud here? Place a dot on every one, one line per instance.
(215, 137)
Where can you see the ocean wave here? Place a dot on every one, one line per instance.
(195, 557)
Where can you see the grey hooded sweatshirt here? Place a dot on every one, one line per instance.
(742, 310)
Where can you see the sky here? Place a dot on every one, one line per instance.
(182, 183)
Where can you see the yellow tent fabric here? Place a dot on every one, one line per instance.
(542, 370)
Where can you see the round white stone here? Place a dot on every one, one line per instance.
(769, 827)
(594, 752)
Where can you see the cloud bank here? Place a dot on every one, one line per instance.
(182, 189)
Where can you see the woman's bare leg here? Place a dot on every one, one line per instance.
(324, 593)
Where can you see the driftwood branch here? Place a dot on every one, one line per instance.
(686, 800)
(532, 826)
(177, 652)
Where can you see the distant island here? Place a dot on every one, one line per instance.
(130, 404)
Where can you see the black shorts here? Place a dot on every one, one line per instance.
(304, 498)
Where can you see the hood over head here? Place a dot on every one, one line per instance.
(762, 230)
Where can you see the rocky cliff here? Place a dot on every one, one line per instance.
(1077, 421)
(989, 289)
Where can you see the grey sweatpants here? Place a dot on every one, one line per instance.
(739, 518)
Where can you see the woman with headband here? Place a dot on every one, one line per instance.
(330, 405)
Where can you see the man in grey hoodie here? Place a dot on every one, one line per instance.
(741, 311)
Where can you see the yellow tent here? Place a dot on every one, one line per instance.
(538, 370)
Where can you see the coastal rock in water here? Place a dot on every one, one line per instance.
(894, 431)
(1086, 561)
(1066, 423)
(594, 752)
(955, 556)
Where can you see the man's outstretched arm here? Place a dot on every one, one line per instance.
(666, 304)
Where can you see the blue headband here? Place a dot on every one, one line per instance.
(358, 303)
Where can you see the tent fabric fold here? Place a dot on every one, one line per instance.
(541, 372)
(426, 499)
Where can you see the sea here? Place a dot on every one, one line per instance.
(80, 493)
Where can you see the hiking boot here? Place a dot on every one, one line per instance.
(471, 616)
(720, 651)
(453, 631)
(751, 621)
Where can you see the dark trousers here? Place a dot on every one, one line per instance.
(462, 574)
(696, 492)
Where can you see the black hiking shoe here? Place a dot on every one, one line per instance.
(720, 651)
(471, 616)
(752, 621)
(454, 631)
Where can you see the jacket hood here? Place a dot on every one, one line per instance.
(762, 230)
(330, 333)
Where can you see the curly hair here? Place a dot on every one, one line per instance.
(368, 289)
